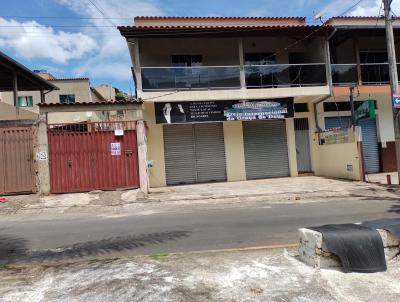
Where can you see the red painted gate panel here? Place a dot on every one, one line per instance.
(81, 158)
(17, 173)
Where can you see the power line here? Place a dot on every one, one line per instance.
(97, 7)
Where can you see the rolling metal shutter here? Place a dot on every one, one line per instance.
(369, 137)
(179, 152)
(337, 121)
(194, 153)
(210, 152)
(266, 151)
(370, 146)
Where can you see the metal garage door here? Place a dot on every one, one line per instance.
(370, 145)
(369, 137)
(194, 153)
(265, 148)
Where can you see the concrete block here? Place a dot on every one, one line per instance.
(313, 251)
(312, 239)
(318, 258)
(388, 239)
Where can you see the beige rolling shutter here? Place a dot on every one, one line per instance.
(266, 152)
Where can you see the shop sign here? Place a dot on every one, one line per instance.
(209, 111)
(396, 101)
(365, 109)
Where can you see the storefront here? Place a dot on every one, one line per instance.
(219, 140)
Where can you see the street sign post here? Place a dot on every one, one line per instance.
(396, 101)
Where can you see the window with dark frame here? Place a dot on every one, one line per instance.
(259, 58)
(67, 98)
(300, 107)
(187, 60)
(342, 106)
(25, 101)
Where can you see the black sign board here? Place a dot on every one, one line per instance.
(217, 111)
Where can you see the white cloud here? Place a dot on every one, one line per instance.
(365, 8)
(112, 58)
(33, 40)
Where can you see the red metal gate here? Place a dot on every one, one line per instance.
(17, 173)
(90, 156)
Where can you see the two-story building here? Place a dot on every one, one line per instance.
(226, 98)
(359, 59)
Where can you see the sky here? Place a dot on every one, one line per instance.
(71, 38)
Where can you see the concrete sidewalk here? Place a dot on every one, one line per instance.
(257, 275)
(277, 190)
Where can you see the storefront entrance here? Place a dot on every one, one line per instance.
(194, 153)
(266, 151)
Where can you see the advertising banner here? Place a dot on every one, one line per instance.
(218, 111)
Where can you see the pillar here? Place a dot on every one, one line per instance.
(42, 156)
(142, 156)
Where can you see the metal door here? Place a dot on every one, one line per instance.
(303, 151)
(17, 174)
(83, 158)
(265, 146)
(194, 153)
(370, 145)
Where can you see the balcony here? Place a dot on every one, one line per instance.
(370, 73)
(228, 77)
(190, 78)
(285, 75)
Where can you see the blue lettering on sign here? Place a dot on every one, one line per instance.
(396, 101)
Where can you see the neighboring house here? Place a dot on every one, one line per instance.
(202, 79)
(71, 90)
(359, 58)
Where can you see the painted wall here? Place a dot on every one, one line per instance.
(155, 147)
(333, 160)
(9, 112)
(234, 148)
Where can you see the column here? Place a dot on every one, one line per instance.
(42, 155)
(142, 156)
(241, 63)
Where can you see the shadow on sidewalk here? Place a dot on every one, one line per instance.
(14, 249)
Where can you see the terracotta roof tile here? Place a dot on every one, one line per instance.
(215, 18)
(121, 102)
(69, 79)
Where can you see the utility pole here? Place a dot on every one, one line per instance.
(353, 117)
(394, 86)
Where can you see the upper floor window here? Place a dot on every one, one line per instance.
(259, 58)
(187, 60)
(67, 98)
(25, 101)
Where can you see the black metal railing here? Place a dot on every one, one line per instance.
(285, 75)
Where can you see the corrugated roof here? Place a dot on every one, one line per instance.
(128, 101)
(215, 18)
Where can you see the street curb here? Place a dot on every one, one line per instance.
(147, 256)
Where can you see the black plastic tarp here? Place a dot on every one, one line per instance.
(359, 248)
(390, 225)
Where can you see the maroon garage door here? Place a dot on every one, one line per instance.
(90, 156)
(17, 173)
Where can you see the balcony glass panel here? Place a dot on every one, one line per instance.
(285, 75)
(164, 78)
(344, 74)
(375, 73)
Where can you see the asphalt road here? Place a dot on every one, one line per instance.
(180, 229)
